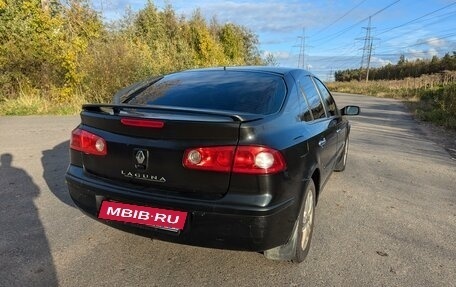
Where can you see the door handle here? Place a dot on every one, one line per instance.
(338, 130)
(322, 142)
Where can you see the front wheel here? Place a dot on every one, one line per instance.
(297, 248)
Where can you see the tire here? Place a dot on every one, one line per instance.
(342, 162)
(297, 248)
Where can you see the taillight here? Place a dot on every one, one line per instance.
(87, 142)
(243, 159)
(258, 160)
(210, 158)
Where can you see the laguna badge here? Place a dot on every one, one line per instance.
(142, 176)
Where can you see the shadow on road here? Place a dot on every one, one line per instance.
(25, 256)
(55, 162)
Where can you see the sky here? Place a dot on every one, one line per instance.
(327, 35)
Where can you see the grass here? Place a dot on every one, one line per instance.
(36, 105)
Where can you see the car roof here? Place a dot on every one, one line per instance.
(256, 69)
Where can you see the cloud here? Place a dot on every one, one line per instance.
(262, 16)
(414, 54)
(380, 62)
(436, 42)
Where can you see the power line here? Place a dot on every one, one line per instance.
(368, 42)
(381, 10)
(421, 17)
(439, 21)
(367, 49)
(340, 33)
(347, 52)
(342, 49)
(302, 49)
(424, 20)
(425, 41)
(386, 53)
(340, 18)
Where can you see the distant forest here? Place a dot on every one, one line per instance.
(403, 69)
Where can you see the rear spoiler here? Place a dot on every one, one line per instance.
(116, 109)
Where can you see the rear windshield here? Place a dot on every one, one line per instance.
(245, 92)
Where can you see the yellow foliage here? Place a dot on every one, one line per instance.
(65, 55)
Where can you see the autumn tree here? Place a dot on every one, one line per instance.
(61, 51)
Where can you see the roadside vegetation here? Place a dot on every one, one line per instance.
(56, 55)
(427, 86)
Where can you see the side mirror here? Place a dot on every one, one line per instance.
(350, 111)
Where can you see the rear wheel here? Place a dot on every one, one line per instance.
(340, 165)
(298, 246)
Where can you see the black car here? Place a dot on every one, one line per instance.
(231, 157)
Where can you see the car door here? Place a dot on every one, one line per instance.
(323, 127)
(335, 116)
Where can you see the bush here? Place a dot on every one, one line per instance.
(112, 64)
(54, 57)
(439, 106)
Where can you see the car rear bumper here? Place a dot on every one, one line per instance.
(214, 223)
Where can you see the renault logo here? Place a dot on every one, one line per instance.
(140, 157)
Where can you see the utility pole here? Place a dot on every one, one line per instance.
(368, 42)
(367, 50)
(330, 75)
(302, 50)
(369, 59)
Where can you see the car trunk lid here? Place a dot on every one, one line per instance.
(145, 146)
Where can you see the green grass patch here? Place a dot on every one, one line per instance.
(36, 105)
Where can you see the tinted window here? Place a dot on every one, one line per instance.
(305, 114)
(313, 98)
(329, 101)
(248, 92)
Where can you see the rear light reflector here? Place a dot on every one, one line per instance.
(87, 142)
(142, 123)
(209, 158)
(243, 159)
(258, 160)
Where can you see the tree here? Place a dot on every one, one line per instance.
(404, 69)
(270, 60)
(29, 45)
(61, 50)
(232, 41)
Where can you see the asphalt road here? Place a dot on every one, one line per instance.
(388, 220)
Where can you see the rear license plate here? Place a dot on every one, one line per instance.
(144, 215)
